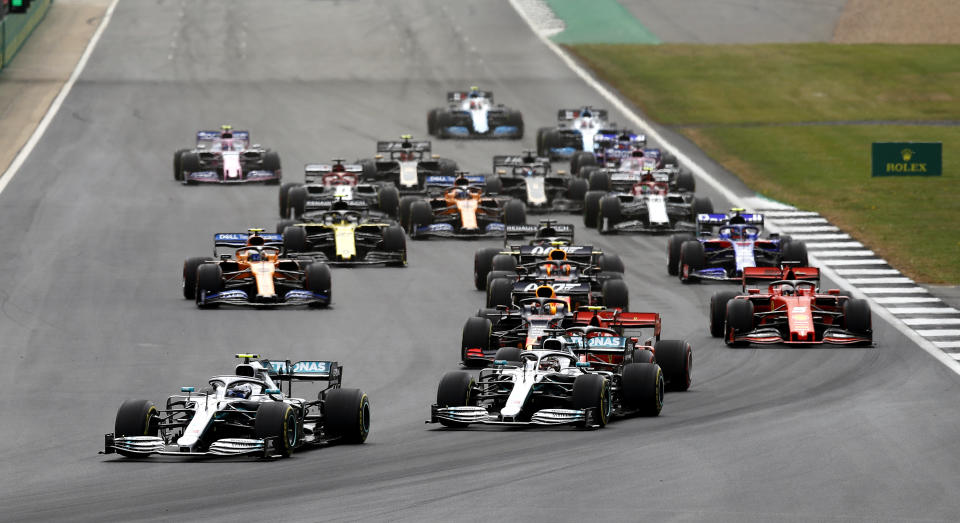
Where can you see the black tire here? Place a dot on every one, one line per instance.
(610, 211)
(599, 181)
(551, 138)
(432, 121)
(701, 206)
(284, 191)
(189, 279)
(136, 418)
(482, 265)
(686, 181)
(476, 334)
(346, 415)
(587, 171)
(577, 190)
(581, 159)
(514, 213)
(271, 162)
(294, 240)
(504, 262)
(395, 241)
(739, 320)
(455, 390)
(389, 201)
(421, 214)
(591, 208)
(515, 118)
(448, 167)
(368, 169)
(403, 212)
(592, 391)
(611, 263)
(317, 279)
(795, 251)
(673, 251)
(177, 170)
(494, 185)
(541, 150)
(278, 421)
(718, 312)
(509, 354)
(209, 279)
(693, 257)
(500, 292)
(641, 356)
(283, 224)
(189, 163)
(675, 358)
(641, 388)
(444, 120)
(493, 275)
(616, 295)
(857, 317)
(297, 201)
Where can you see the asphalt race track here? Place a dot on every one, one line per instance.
(94, 231)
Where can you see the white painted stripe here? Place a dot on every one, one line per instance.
(824, 236)
(932, 321)
(849, 253)
(57, 102)
(923, 310)
(799, 221)
(893, 290)
(758, 203)
(865, 261)
(834, 245)
(864, 272)
(778, 214)
(812, 228)
(938, 333)
(856, 281)
(906, 299)
(725, 192)
(949, 345)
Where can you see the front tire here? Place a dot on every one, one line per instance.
(718, 311)
(455, 390)
(592, 391)
(189, 280)
(673, 252)
(278, 422)
(317, 279)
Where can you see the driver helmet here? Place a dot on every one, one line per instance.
(461, 194)
(254, 255)
(550, 363)
(242, 391)
(736, 233)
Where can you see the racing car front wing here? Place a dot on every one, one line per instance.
(238, 297)
(470, 415)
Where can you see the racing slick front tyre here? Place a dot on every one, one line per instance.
(476, 335)
(297, 201)
(389, 201)
(586, 171)
(599, 181)
(445, 120)
(592, 391)
(493, 275)
(739, 320)
(551, 138)
(856, 317)
(284, 192)
(701, 206)
(368, 169)
(610, 212)
(136, 418)
(581, 159)
(591, 208)
(499, 292)
(346, 415)
(641, 388)
(482, 265)
(455, 390)
(673, 252)
(692, 258)
(577, 190)
(514, 213)
(294, 239)
(432, 121)
(686, 181)
(277, 421)
(177, 171)
(271, 162)
(616, 295)
(317, 279)
(794, 252)
(515, 119)
(421, 214)
(494, 185)
(541, 150)
(189, 280)
(508, 354)
(718, 311)
(209, 281)
(403, 211)
(283, 224)
(395, 241)
(675, 358)
(189, 163)
(611, 263)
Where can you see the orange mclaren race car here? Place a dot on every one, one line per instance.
(462, 210)
(255, 274)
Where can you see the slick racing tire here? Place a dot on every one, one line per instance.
(395, 241)
(856, 316)
(421, 214)
(368, 169)
(297, 201)
(675, 358)
(718, 311)
(592, 391)
(504, 262)
(616, 295)
(673, 252)
(284, 192)
(515, 119)
(444, 121)
(189, 163)
(795, 252)
(482, 265)
(541, 150)
(591, 208)
(692, 258)
(455, 390)
(509, 354)
(610, 212)
(686, 181)
(317, 279)
(476, 334)
(346, 414)
(611, 263)
(641, 356)
(177, 170)
(283, 224)
(448, 167)
(432, 122)
(587, 171)
(136, 418)
(551, 139)
(739, 320)
(294, 239)
(641, 388)
(514, 213)
(581, 159)
(189, 280)
(493, 275)
(403, 212)
(389, 201)
(500, 292)
(209, 281)
(669, 158)
(701, 206)
(271, 162)
(599, 181)
(577, 190)
(494, 185)
(277, 421)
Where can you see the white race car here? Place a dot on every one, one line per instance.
(575, 131)
(245, 413)
(473, 114)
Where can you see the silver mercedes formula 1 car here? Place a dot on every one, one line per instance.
(245, 413)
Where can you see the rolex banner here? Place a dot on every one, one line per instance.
(907, 159)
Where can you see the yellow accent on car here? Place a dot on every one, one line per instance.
(345, 240)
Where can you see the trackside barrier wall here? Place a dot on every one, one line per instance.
(16, 28)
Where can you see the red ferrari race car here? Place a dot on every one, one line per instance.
(789, 307)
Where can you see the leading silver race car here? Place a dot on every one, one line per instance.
(245, 413)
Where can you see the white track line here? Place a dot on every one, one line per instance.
(866, 261)
(866, 272)
(857, 253)
(949, 345)
(701, 173)
(923, 310)
(905, 299)
(789, 214)
(932, 321)
(893, 290)
(939, 333)
(809, 229)
(835, 245)
(798, 221)
(57, 102)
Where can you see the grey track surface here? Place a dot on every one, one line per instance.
(95, 230)
(738, 21)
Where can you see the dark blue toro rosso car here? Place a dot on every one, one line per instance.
(727, 243)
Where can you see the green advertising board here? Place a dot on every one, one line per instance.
(907, 159)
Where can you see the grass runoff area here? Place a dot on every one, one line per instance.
(796, 122)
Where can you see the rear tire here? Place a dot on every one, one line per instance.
(482, 265)
(432, 122)
(499, 293)
(701, 206)
(673, 252)
(389, 201)
(294, 240)
(514, 213)
(577, 190)
(581, 159)
(611, 263)
(346, 415)
(796, 252)
(599, 181)
(610, 212)
(641, 388)
(592, 391)
(675, 358)
(278, 421)
(616, 295)
(591, 208)
(284, 192)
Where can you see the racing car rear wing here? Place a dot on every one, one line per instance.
(565, 115)
(755, 275)
(458, 96)
(239, 239)
(317, 169)
(404, 145)
(449, 181)
(616, 319)
(307, 370)
(210, 136)
(519, 159)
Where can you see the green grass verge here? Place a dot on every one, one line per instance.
(910, 221)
